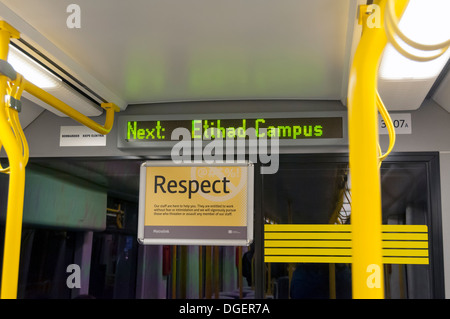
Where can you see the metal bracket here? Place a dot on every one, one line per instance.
(7, 70)
(15, 104)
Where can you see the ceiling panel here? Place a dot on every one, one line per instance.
(151, 51)
(442, 94)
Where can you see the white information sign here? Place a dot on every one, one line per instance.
(401, 121)
(80, 136)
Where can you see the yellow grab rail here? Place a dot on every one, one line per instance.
(14, 142)
(367, 269)
(13, 228)
(110, 108)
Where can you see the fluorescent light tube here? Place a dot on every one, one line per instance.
(44, 79)
(426, 22)
(31, 70)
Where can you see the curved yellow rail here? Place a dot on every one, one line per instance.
(110, 108)
(390, 127)
(13, 140)
(393, 31)
(365, 153)
(13, 228)
(364, 159)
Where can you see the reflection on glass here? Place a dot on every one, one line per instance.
(320, 193)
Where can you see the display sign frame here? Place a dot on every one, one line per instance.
(151, 232)
(124, 143)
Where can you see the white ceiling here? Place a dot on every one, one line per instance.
(150, 51)
(146, 51)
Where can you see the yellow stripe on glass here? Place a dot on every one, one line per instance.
(14, 142)
(401, 244)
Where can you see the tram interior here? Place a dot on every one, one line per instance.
(306, 193)
(80, 209)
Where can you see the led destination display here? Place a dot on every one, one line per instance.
(283, 128)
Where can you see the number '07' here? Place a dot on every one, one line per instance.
(396, 123)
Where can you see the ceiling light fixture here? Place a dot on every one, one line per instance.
(31, 70)
(425, 22)
(46, 80)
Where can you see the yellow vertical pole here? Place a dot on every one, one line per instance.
(174, 272)
(367, 268)
(269, 279)
(17, 161)
(200, 272)
(332, 280)
(240, 280)
(216, 272)
(183, 272)
(208, 284)
(13, 228)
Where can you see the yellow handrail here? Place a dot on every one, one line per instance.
(363, 101)
(393, 30)
(13, 228)
(364, 158)
(389, 125)
(110, 108)
(14, 91)
(16, 147)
